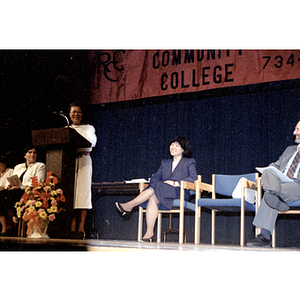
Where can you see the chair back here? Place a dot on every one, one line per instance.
(225, 184)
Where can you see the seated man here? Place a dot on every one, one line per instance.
(277, 193)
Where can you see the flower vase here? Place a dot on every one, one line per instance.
(42, 233)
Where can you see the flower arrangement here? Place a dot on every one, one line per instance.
(41, 200)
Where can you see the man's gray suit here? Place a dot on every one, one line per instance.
(266, 216)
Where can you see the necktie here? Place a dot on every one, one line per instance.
(291, 171)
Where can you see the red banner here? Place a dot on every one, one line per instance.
(134, 74)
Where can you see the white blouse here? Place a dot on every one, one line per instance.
(34, 169)
(88, 132)
(3, 177)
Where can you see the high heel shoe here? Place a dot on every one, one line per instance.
(123, 213)
(81, 235)
(150, 240)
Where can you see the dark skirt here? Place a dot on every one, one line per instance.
(166, 194)
(8, 198)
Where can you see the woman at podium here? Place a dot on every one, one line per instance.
(83, 170)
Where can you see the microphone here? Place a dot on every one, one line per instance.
(60, 113)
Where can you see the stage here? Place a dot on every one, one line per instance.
(50, 244)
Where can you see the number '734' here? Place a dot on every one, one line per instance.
(278, 61)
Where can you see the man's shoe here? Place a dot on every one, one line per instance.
(259, 241)
(276, 202)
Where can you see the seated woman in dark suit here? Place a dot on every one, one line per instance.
(164, 185)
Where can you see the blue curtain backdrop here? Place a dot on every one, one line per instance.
(230, 133)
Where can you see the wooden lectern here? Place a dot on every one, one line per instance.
(61, 145)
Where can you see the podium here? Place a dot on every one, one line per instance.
(61, 145)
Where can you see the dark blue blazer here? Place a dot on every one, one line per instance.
(165, 193)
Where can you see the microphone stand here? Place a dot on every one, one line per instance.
(62, 115)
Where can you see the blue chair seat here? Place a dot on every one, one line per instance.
(227, 205)
(294, 204)
(187, 205)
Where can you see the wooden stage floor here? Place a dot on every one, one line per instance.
(40, 244)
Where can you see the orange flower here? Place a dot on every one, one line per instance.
(35, 191)
(25, 197)
(45, 203)
(34, 181)
(45, 196)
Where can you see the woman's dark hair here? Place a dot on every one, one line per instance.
(77, 103)
(27, 148)
(184, 143)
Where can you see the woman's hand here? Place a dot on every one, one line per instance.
(171, 182)
(13, 187)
